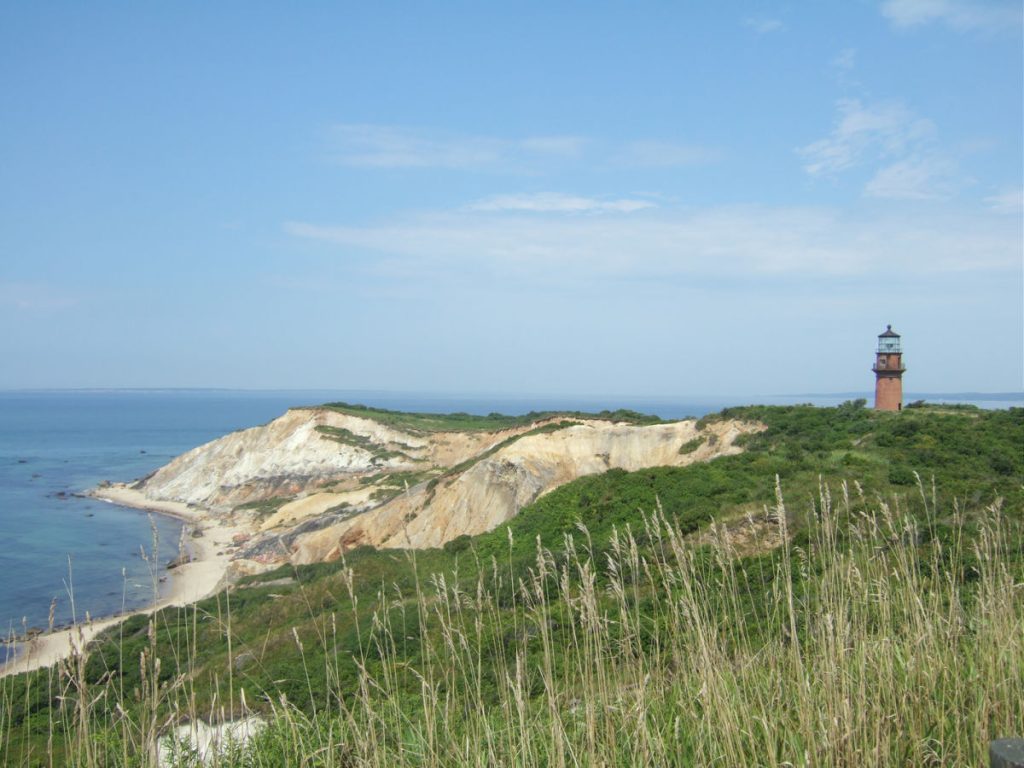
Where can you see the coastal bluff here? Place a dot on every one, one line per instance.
(316, 482)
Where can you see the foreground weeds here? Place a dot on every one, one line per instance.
(884, 633)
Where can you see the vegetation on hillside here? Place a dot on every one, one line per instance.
(264, 507)
(377, 451)
(867, 620)
(466, 422)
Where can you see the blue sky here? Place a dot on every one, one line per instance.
(560, 198)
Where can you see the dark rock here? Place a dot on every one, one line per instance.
(142, 480)
(181, 559)
(1006, 753)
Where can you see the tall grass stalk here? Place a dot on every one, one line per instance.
(887, 632)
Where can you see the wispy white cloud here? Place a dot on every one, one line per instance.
(762, 25)
(34, 297)
(922, 178)
(845, 61)
(555, 202)
(1009, 201)
(382, 146)
(564, 146)
(903, 146)
(843, 66)
(863, 131)
(664, 154)
(738, 243)
(961, 15)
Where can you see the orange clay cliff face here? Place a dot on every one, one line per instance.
(315, 482)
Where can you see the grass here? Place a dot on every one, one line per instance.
(891, 637)
(871, 623)
(388, 485)
(265, 507)
(377, 451)
(465, 422)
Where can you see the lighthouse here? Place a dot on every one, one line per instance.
(889, 370)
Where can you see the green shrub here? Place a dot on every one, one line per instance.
(691, 445)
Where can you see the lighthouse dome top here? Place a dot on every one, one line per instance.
(889, 333)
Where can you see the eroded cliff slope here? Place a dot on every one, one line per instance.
(316, 482)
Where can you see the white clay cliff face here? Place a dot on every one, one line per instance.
(291, 458)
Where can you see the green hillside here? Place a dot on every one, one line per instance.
(854, 602)
(466, 422)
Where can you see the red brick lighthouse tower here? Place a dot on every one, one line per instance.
(889, 372)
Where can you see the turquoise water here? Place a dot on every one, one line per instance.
(54, 545)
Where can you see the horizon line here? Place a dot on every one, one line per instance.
(513, 395)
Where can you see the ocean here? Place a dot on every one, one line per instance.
(86, 555)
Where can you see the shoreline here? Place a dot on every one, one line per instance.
(188, 583)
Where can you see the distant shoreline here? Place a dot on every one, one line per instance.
(189, 582)
(389, 394)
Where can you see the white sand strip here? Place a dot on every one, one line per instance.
(188, 583)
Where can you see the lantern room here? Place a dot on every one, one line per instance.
(889, 342)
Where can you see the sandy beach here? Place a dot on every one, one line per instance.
(188, 582)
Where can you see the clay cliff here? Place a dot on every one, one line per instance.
(316, 481)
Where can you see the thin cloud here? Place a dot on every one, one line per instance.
(960, 15)
(565, 146)
(845, 60)
(889, 135)
(554, 202)
(843, 66)
(389, 147)
(34, 297)
(927, 178)
(862, 131)
(763, 26)
(726, 243)
(381, 146)
(1009, 201)
(664, 154)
